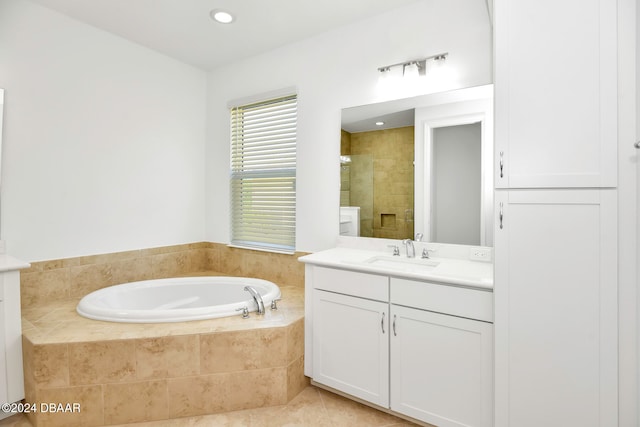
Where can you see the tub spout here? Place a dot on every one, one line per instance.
(256, 297)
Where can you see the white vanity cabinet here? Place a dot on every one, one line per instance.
(555, 93)
(556, 308)
(11, 375)
(350, 333)
(351, 346)
(420, 349)
(442, 364)
(556, 169)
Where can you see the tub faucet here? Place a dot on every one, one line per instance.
(411, 250)
(256, 297)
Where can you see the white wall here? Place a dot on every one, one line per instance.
(335, 70)
(103, 140)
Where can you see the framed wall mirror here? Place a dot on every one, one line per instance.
(419, 166)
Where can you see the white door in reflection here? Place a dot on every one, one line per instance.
(456, 184)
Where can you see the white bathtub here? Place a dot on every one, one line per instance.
(176, 299)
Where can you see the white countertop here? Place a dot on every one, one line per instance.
(9, 263)
(456, 271)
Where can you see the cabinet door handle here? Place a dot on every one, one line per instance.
(637, 144)
(501, 164)
(501, 215)
(394, 326)
(382, 322)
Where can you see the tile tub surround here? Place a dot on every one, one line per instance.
(51, 281)
(123, 373)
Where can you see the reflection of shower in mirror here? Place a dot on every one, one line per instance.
(408, 215)
(344, 162)
(349, 221)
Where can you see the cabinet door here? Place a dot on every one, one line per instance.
(441, 368)
(555, 93)
(351, 345)
(556, 308)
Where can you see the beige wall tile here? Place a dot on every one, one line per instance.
(170, 264)
(288, 270)
(257, 389)
(213, 257)
(49, 365)
(102, 362)
(88, 278)
(242, 350)
(257, 264)
(199, 260)
(132, 270)
(135, 402)
(108, 258)
(392, 152)
(231, 261)
(295, 340)
(27, 364)
(44, 287)
(168, 357)
(215, 393)
(88, 397)
(345, 142)
(296, 381)
(282, 269)
(201, 395)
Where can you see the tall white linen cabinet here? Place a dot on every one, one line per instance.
(556, 319)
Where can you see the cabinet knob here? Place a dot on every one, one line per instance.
(637, 144)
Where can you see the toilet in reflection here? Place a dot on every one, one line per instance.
(349, 220)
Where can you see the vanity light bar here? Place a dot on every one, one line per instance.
(420, 63)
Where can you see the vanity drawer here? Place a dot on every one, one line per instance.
(371, 286)
(463, 302)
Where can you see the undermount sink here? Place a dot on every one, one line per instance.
(404, 264)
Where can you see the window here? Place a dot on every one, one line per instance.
(263, 175)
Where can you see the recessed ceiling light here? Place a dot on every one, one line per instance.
(379, 123)
(222, 16)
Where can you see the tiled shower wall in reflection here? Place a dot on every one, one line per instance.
(381, 180)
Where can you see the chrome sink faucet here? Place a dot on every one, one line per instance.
(411, 250)
(256, 297)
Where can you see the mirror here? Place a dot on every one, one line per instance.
(419, 165)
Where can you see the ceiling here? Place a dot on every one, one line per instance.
(392, 120)
(182, 29)
(395, 114)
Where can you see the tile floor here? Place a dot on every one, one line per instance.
(313, 407)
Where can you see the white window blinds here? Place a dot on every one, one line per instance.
(263, 175)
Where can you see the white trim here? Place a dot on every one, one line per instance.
(451, 114)
(265, 96)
